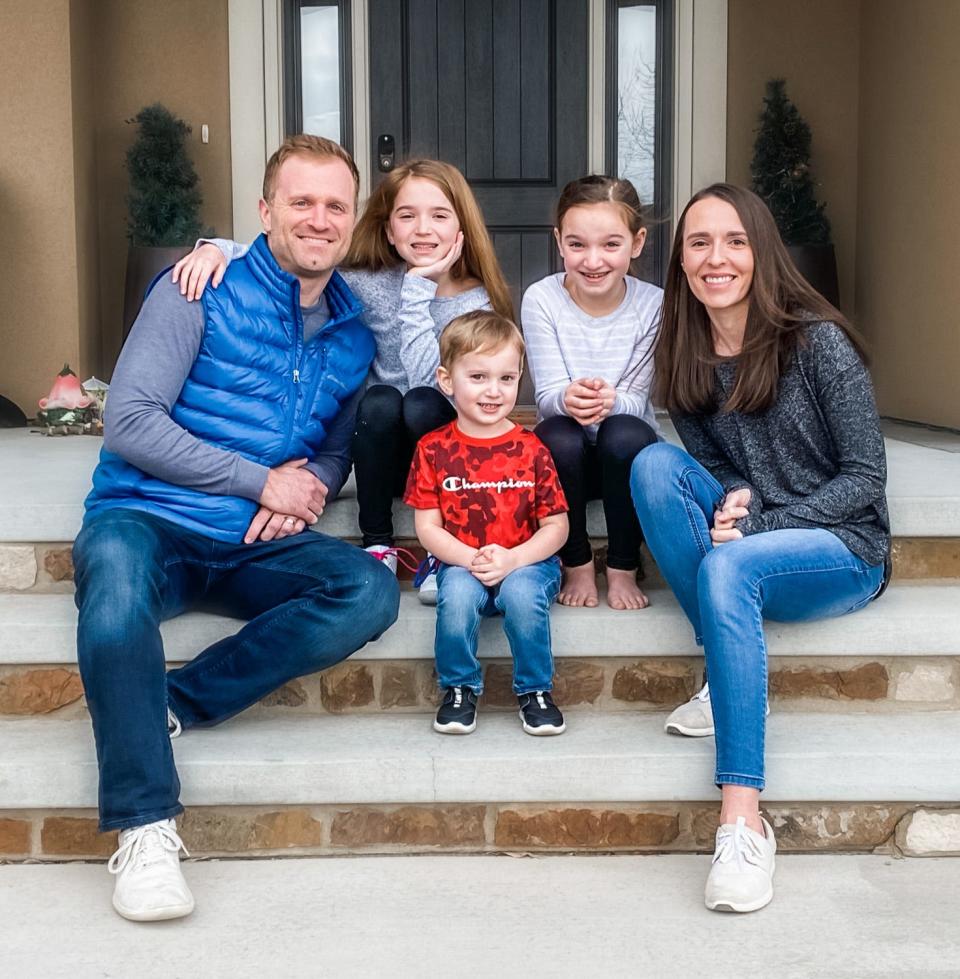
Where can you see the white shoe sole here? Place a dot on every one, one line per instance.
(544, 731)
(428, 597)
(155, 914)
(688, 732)
(454, 727)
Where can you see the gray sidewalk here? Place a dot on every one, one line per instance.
(490, 916)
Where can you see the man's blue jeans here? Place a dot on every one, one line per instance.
(727, 590)
(311, 600)
(523, 598)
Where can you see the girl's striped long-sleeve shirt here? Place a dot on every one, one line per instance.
(565, 344)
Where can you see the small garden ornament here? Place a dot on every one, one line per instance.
(68, 409)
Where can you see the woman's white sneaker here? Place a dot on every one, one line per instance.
(741, 878)
(150, 884)
(694, 719)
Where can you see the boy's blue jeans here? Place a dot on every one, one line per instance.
(311, 600)
(728, 589)
(523, 598)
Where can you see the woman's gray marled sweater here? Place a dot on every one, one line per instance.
(815, 458)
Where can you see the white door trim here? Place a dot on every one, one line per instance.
(700, 97)
(360, 64)
(597, 93)
(256, 104)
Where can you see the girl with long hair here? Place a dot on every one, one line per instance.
(590, 332)
(776, 509)
(420, 256)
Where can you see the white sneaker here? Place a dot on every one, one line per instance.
(741, 878)
(385, 554)
(694, 719)
(150, 885)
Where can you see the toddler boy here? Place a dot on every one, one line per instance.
(490, 508)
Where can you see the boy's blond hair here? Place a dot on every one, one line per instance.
(480, 331)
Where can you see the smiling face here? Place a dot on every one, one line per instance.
(597, 247)
(310, 218)
(423, 224)
(718, 259)
(484, 389)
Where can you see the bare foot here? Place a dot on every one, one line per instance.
(579, 587)
(623, 591)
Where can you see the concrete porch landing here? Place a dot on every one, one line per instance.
(43, 482)
(835, 917)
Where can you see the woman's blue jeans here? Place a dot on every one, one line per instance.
(311, 601)
(523, 598)
(727, 590)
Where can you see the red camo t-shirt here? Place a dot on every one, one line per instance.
(488, 491)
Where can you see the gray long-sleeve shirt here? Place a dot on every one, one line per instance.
(815, 458)
(156, 360)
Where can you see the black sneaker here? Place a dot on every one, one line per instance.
(458, 712)
(540, 715)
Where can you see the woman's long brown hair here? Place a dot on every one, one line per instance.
(781, 304)
(372, 250)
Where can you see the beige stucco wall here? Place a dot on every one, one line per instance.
(908, 285)
(175, 52)
(83, 63)
(71, 72)
(39, 309)
(814, 45)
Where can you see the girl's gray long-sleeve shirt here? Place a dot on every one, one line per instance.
(405, 315)
(815, 459)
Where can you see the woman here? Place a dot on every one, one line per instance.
(777, 507)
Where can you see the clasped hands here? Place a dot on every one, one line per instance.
(589, 400)
(292, 497)
(492, 563)
(734, 507)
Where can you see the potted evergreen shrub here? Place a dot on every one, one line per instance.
(781, 175)
(164, 202)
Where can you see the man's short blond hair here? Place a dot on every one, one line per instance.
(480, 331)
(305, 145)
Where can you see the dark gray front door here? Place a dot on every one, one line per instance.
(499, 89)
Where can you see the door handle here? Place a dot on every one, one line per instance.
(386, 151)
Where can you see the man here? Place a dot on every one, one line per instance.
(202, 492)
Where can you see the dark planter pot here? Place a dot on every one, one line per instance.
(144, 264)
(818, 265)
(11, 416)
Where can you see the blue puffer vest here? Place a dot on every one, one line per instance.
(255, 389)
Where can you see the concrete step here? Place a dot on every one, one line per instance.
(44, 480)
(832, 917)
(913, 619)
(391, 759)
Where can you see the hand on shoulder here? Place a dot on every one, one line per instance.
(204, 264)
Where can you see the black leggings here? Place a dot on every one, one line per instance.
(389, 425)
(601, 471)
